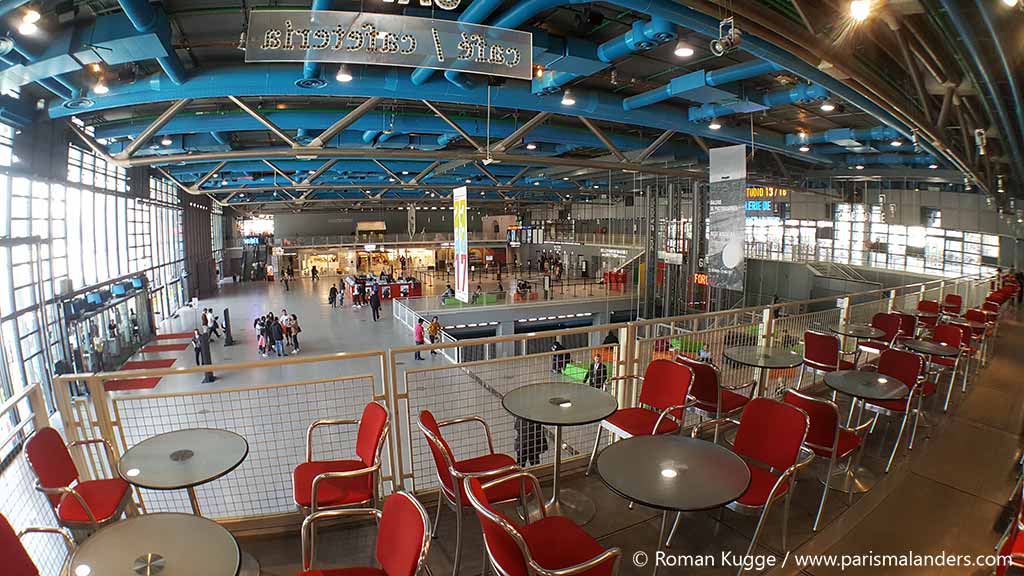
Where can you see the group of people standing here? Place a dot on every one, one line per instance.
(274, 333)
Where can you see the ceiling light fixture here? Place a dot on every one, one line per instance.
(405, 172)
(100, 87)
(860, 10)
(165, 141)
(343, 75)
(805, 148)
(31, 16)
(896, 143)
(933, 166)
(683, 50)
(715, 125)
(567, 98)
(859, 166)
(531, 146)
(827, 106)
(1010, 3)
(27, 28)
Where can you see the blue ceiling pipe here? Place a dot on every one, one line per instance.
(800, 93)
(311, 70)
(828, 149)
(147, 17)
(891, 159)
(14, 59)
(696, 81)
(860, 135)
(11, 5)
(11, 50)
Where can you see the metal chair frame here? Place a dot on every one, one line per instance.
(916, 393)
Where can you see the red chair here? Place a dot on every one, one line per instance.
(320, 484)
(991, 310)
(950, 335)
(908, 327)
(952, 305)
(663, 390)
(826, 437)
(709, 397)
(16, 561)
(769, 436)
(403, 538)
(550, 546)
(980, 334)
(931, 310)
(81, 505)
(908, 368)
(888, 323)
(452, 472)
(822, 353)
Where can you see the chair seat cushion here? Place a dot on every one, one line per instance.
(640, 422)
(947, 361)
(502, 492)
(555, 542)
(761, 483)
(731, 401)
(848, 442)
(872, 346)
(352, 571)
(335, 491)
(103, 497)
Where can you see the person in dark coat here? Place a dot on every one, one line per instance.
(611, 338)
(332, 296)
(277, 336)
(558, 361)
(197, 346)
(597, 373)
(530, 442)
(375, 303)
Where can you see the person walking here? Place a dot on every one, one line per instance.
(197, 346)
(434, 331)
(315, 273)
(375, 302)
(418, 336)
(284, 279)
(295, 329)
(286, 327)
(277, 335)
(332, 296)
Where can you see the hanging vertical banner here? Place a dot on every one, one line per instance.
(411, 221)
(727, 218)
(461, 245)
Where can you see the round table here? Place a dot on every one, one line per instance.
(931, 348)
(764, 357)
(972, 324)
(183, 459)
(673, 474)
(561, 404)
(160, 544)
(858, 331)
(862, 386)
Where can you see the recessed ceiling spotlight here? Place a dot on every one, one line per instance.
(343, 75)
(535, 183)
(805, 148)
(531, 146)
(27, 28)
(1010, 3)
(567, 98)
(827, 106)
(405, 172)
(166, 141)
(715, 125)
(859, 166)
(100, 87)
(468, 180)
(933, 166)
(566, 178)
(683, 50)
(31, 16)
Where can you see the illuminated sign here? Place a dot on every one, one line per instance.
(442, 4)
(755, 192)
(461, 244)
(761, 200)
(700, 278)
(388, 40)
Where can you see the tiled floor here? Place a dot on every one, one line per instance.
(945, 496)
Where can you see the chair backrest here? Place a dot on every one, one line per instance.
(950, 335)
(908, 324)
(930, 306)
(666, 383)
(51, 461)
(990, 306)
(373, 425)
(823, 417)
(888, 323)
(704, 384)
(771, 432)
(16, 560)
(821, 350)
(403, 535)
(976, 315)
(953, 302)
(439, 448)
(902, 365)
(997, 297)
(504, 544)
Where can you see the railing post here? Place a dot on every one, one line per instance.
(629, 366)
(942, 291)
(892, 301)
(765, 339)
(101, 406)
(844, 318)
(40, 417)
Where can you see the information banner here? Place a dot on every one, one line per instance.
(726, 217)
(387, 40)
(461, 244)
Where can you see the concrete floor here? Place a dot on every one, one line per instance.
(945, 496)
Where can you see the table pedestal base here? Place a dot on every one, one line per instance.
(856, 481)
(250, 565)
(574, 505)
